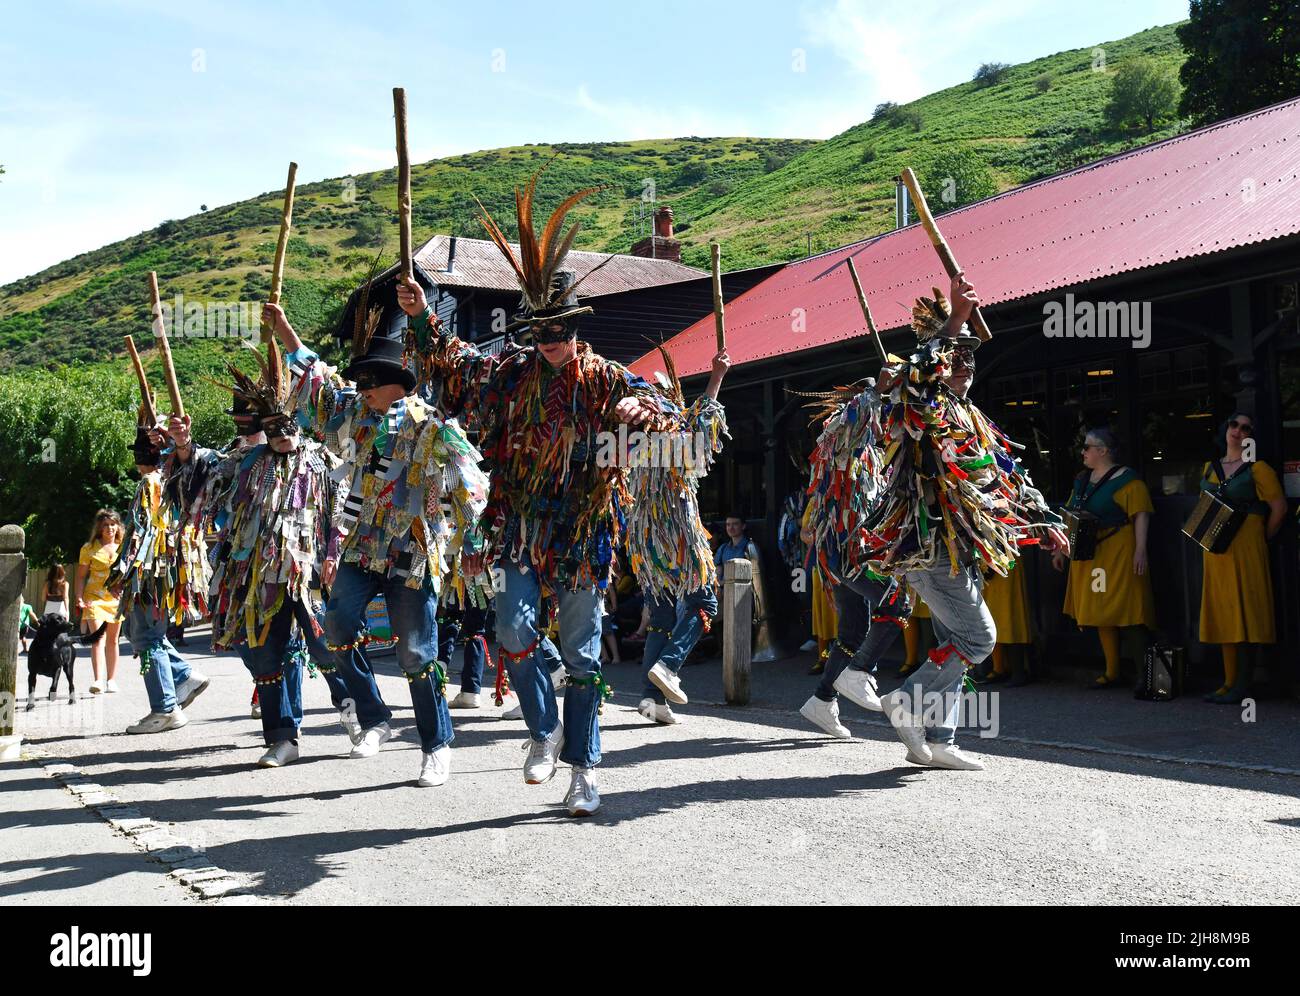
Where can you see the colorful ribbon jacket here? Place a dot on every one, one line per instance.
(551, 437)
(667, 542)
(397, 470)
(271, 512)
(162, 558)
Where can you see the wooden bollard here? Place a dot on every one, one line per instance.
(13, 577)
(737, 628)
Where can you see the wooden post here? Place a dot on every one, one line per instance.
(164, 348)
(145, 394)
(277, 266)
(403, 181)
(719, 323)
(13, 576)
(946, 257)
(866, 312)
(737, 628)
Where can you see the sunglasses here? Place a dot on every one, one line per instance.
(1245, 428)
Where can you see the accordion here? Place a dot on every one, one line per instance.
(1162, 674)
(1081, 528)
(1214, 522)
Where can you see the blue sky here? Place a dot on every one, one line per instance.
(117, 115)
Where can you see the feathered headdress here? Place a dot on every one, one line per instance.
(267, 394)
(669, 383)
(366, 319)
(824, 404)
(930, 318)
(538, 265)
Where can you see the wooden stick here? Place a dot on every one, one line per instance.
(403, 181)
(164, 348)
(866, 312)
(946, 257)
(277, 266)
(719, 321)
(145, 393)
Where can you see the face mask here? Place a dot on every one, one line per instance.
(280, 427)
(553, 332)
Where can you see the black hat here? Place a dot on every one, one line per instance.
(143, 449)
(382, 360)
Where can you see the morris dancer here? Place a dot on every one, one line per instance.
(388, 534)
(955, 503)
(555, 512)
(161, 572)
(270, 497)
(667, 542)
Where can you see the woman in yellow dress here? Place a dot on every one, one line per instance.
(825, 622)
(97, 605)
(1008, 601)
(1113, 589)
(1236, 589)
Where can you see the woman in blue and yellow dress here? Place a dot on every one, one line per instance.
(1236, 590)
(1113, 589)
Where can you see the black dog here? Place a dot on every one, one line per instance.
(52, 651)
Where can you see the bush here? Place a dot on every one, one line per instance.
(1043, 82)
(868, 154)
(991, 74)
(954, 177)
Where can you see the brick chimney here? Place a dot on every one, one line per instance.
(661, 245)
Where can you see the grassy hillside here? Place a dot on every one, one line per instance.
(761, 197)
(842, 189)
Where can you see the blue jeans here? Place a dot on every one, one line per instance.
(470, 623)
(412, 613)
(280, 657)
(579, 616)
(147, 630)
(865, 612)
(681, 618)
(963, 627)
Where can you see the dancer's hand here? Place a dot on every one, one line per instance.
(328, 571)
(410, 297)
(1058, 561)
(963, 300)
(178, 427)
(633, 411)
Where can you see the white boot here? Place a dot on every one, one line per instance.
(435, 767)
(539, 765)
(582, 799)
(825, 716)
(859, 688)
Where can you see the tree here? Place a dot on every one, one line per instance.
(1143, 92)
(991, 74)
(954, 177)
(1241, 55)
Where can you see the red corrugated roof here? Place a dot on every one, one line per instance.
(1175, 199)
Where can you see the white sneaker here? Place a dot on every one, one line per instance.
(371, 740)
(652, 710)
(859, 688)
(191, 688)
(950, 756)
(348, 719)
(435, 767)
(898, 710)
(278, 755)
(582, 799)
(110, 685)
(825, 716)
(465, 700)
(916, 758)
(255, 710)
(560, 678)
(96, 687)
(515, 711)
(668, 683)
(808, 645)
(160, 722)
(539, 765)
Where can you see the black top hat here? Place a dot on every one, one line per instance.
(143, 449)
(383, 361)
(561, 307)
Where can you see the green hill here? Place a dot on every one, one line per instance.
(766, 199)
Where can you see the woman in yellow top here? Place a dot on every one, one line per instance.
(1236, 590)
(825, 623)
(1007, 599)
(97, 605)
(1113, 589)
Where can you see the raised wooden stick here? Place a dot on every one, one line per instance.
(403, 181)
(866, 311)
(940, 245)
(164, 348)
(277, 267)
(719, 321)
(145, 393)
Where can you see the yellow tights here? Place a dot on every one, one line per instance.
(1109, 636)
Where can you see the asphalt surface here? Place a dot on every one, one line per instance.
(1088, 798)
